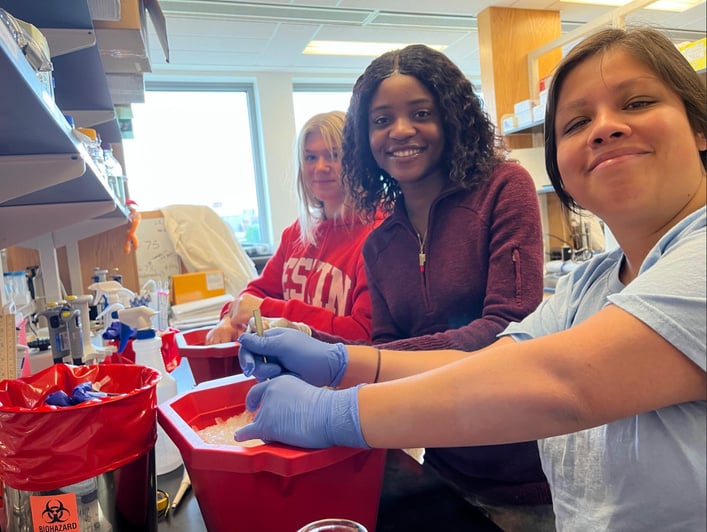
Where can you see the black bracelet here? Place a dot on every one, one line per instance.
(378, 366)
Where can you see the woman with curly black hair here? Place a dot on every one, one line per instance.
(460, 255)
(471, 150)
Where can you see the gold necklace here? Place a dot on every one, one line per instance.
(421, 255)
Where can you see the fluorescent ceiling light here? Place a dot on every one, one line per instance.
(660, 5)
(371, 49)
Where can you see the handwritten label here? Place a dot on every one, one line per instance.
(156, 257)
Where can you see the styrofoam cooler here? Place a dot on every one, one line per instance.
(272, 486)
(208, 362)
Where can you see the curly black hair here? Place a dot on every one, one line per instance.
(472, 146)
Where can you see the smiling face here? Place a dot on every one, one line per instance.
(625, 149)
(321, 170)
(405, 131)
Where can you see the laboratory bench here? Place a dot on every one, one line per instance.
(424, 507)
(187, 516)
(422, 511)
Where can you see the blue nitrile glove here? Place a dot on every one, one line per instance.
(85, 392)
(81, 392)
(59, 398)
(292, 352)
(294, 412)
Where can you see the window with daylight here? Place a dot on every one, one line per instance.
(194, 144)
(311, 100)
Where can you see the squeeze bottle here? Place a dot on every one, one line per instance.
(113, 292)
(109, 296)
(148, 352)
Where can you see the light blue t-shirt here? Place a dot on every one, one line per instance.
(645, 472)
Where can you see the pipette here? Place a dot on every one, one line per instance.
(258, 320)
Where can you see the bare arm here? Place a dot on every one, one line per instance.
(363, 362)
(235, 321)
(609, 367)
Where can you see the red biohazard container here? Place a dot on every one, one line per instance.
(89, 466)
(272, 486)
(208, 362)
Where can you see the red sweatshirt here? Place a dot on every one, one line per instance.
(323, 286)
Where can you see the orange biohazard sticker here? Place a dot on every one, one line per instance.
(54, 513)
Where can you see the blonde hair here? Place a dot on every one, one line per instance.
(311, 210)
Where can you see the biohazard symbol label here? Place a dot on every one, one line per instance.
(54, 513)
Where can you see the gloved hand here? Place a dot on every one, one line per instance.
(271, 323)
(292, 352)
(294, 412)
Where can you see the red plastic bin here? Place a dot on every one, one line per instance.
(272, 486)
(208, 362)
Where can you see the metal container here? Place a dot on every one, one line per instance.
(123, 500)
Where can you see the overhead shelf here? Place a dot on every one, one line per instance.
(86, 228)
(62, 41)
(534, 127)
(31, 123)
(66, 25)
(24, 174)
(48, 183)
(51, 192)
(88, 187)
(538, 126)
(67, 14)
(30, 162)
(20, 224)
(80, 93)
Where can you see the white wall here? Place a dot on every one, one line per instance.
(277, 130)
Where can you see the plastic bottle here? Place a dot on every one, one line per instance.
(94, 147)
(148, 352)
(90, 516)
(110, 172)
(114, 171)
(78, 135)
(99, 275)
(108, 293)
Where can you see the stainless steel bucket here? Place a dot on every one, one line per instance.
(122, 500)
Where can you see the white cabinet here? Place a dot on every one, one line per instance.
(51, 193)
